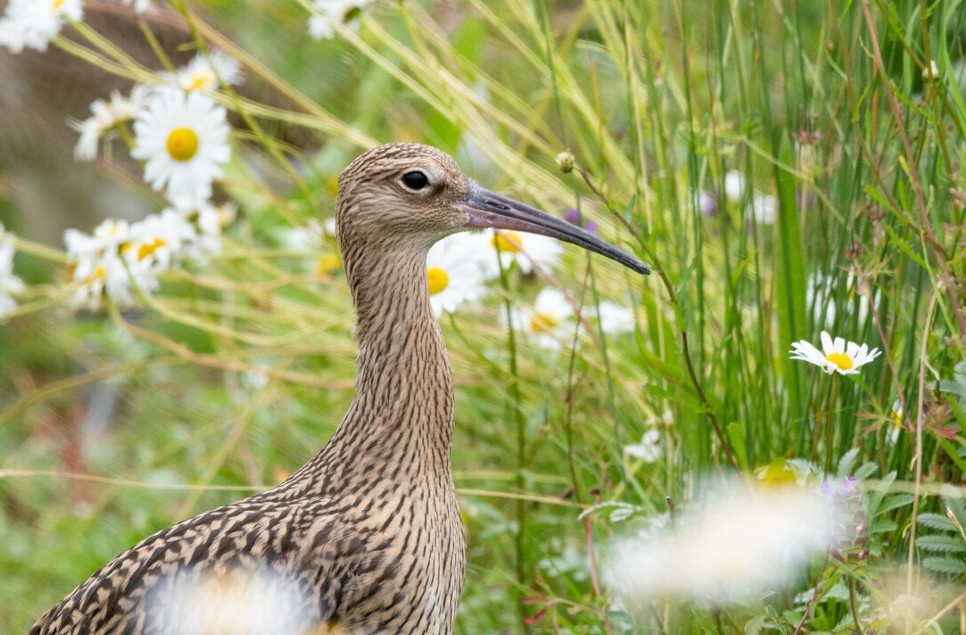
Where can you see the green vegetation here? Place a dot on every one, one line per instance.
(846, 123)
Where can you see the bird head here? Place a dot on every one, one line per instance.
(415, 194)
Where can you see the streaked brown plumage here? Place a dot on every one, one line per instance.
(366, 537)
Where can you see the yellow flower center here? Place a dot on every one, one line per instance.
(100, 272)
(437, 279)
(843, 361)
(508, 241)
(182, 144)
(543, 322)
(328, 264)
(896, 420)
(146, 249)
(200, 81)
(56, 4)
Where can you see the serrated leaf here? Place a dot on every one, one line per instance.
(894, 502)
(936, 521)
(945, 565)
(847, 463)
(865, 471)
(941, 542)
(882, 526)
(955, 507)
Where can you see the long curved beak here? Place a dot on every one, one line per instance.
(490, 210)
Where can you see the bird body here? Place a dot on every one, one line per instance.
(366, 537)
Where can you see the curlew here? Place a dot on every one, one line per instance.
(366, 537)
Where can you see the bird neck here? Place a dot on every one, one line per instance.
(400, 422)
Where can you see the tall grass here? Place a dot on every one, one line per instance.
(828, 110)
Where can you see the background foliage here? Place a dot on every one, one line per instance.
(113, 426)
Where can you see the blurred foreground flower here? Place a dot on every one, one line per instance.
(184, 140)
(740, 543)
(836, 356)
(232, 601)
(457, 269)
(10, 284)
(334, 11)
(35, 23)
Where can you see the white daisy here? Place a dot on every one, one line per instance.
(10, 285)
(158, 241)
(35, 23)
(105, 115)
(96, 264)
(549, 322)
(457, 269)
(649, 449)
(334, 11)
(206, 73)
(835, 356)
(184, 140)
(209, 221)
(525, 249)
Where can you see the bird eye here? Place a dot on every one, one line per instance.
(415, 180)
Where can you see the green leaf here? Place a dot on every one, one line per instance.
(945, 565)
(936, 521)
(942, 543)
(790, 279)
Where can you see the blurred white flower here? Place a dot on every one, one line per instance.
(836, 356)
(184, 140)
(762, 208)
(738, 543)
(525, 249)
(306, 238)
(119, 258)
(734, 186)
(457, 268)
(35, 23)
(209, 222)
(105, 115)
(140, 6)
(328, 12)
(819, 292)
(549, 322)
(10, 285)
(231, 601)
(96, 265)
(649, 449)
(203, 73)
(614, 318)
(158, 240)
